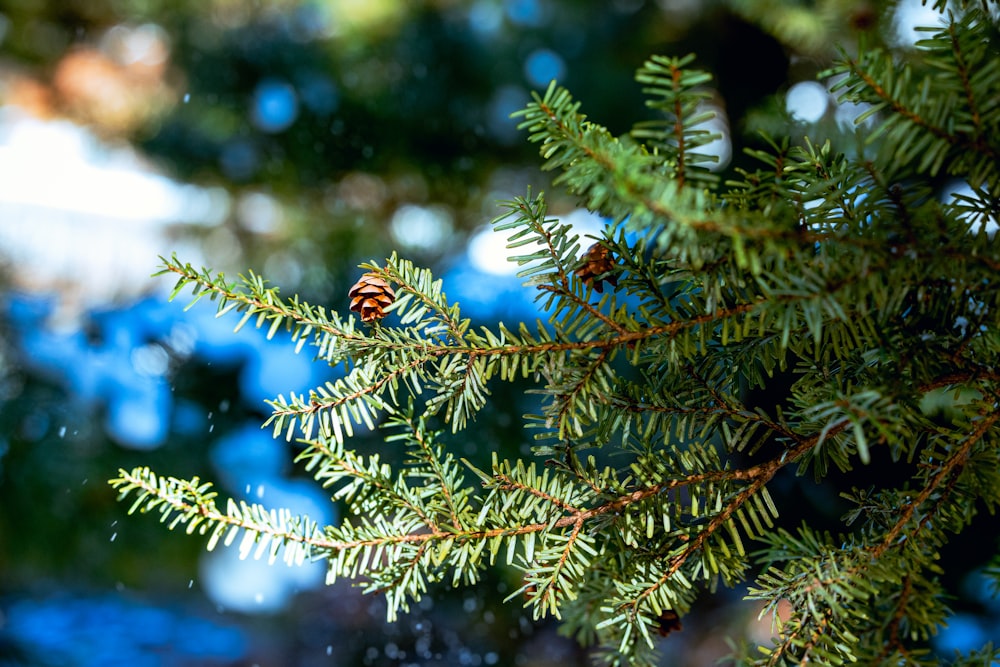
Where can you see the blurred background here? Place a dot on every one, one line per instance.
(297, 138)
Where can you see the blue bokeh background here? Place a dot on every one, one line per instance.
(298, 139)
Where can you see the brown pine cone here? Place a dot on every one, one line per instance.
(597, 262)
(370, 296)
(668, 622)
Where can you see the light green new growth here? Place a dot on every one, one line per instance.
(844, 277)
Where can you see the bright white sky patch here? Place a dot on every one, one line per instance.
(75, 211)
(423, 227)
(807, 101)
(911, 14)
(58, 165)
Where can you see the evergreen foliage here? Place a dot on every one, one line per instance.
(845, 277)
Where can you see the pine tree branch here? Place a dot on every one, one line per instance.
(509, 484)
(410, 572)
(740, 411)
(942, 482)
(455, 328)
(821, 629)
(363, 342)
(535, 217)
(550, 593)
(433, 532)
(679, 135)
(963, 77)
(866, 294)
(564, 291)
(177, 505)
(963, 377)
(758, 474)
(895, 642)
(318, 403)
(568, 396)
(949, 468)
(758, 477)
(336, 467)
(302, 314)
(434, 462)
(899, 107)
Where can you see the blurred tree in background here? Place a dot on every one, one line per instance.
(319, 134)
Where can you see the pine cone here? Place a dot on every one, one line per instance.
(668, 622)
(597, 262)
(370, 296)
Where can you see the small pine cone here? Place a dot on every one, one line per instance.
(597, 262)
(668, 622)
(370, 296)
